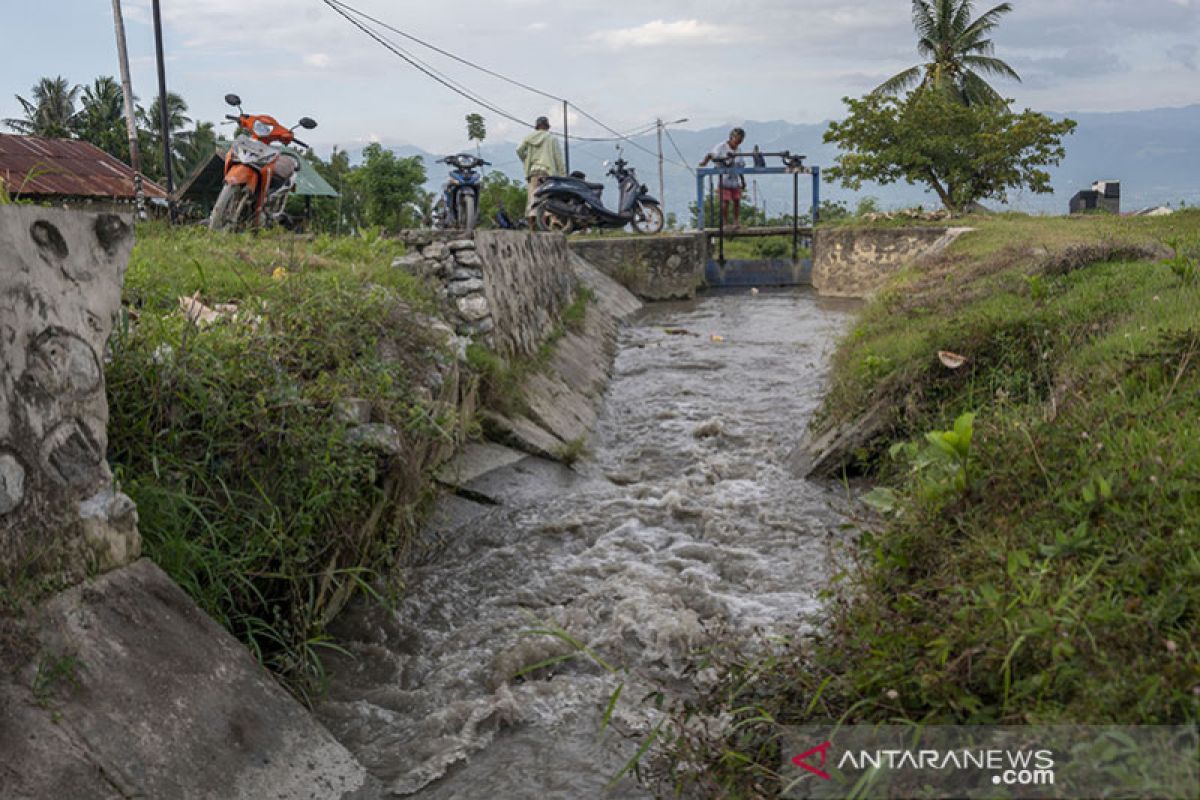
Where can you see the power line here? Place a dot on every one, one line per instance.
(671, 139)
(428, 71)
(345, 10)
(446, 53)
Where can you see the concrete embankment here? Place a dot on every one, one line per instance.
(114, 683)
(511, 288)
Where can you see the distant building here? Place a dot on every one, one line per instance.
(68, 173)
(1103, 196)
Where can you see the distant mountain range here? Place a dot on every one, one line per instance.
(1155, 154)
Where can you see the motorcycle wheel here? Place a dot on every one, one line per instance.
(649, 218)
(547, 220)
(227, 211)
(467, 212)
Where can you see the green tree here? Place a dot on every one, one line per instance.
(51, 112)
(390, 188)
(964, 153)
(498, 191)
(957, 50)
(476, 130)
(195, 147)
(151, 125)
(101, 117)
(341, 213)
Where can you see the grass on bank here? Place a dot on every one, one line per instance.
(1049, 570)
(251, 492)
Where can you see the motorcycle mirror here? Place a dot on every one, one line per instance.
(233, 100)
(308, 122)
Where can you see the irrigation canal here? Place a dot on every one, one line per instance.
(681, 523)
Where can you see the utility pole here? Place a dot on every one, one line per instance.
(662, 186)
(566, 139)
(135, 156)
(163, 115)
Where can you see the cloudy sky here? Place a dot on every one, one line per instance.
(626, 62)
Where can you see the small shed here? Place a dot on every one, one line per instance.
(69, 173)
(1103, 196)
(201, 188)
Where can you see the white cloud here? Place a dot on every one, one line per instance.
(319, 60)
(659, 33)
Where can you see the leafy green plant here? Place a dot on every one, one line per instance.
(955, 444)
(1037, 287)
(1183, 265)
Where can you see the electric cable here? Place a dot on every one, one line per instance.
(428, 71)
(346, 10)
(671, 139)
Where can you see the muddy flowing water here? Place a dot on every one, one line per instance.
(680, 523)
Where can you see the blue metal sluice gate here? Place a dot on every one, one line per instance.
(722, 272)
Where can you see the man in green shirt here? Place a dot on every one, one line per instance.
(542, 157)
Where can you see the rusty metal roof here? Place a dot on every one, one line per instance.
(35, 166)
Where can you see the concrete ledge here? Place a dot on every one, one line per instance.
(857, 262)
(652, 267)
(130, 690)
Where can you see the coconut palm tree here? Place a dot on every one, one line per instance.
(958, 50)
(177, 120)
(101, 118)
(195, 147)
(51, 111)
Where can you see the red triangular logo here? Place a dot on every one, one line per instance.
(823, 749)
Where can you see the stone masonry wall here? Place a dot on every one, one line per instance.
(653, 268)
(857, 262)
(505, 287)
(60, 287)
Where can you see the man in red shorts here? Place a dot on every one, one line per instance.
(732, 186)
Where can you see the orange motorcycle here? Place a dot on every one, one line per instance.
(258, 177)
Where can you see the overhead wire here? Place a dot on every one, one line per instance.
(346, 11)
(426, 70)
(671, 139)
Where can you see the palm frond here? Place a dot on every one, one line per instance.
(977, 92)
(962, 17)
(22, 126)
(991, 66)
(899, 82)
(985, 22)
(923, 19)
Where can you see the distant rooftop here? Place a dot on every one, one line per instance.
(36, 166)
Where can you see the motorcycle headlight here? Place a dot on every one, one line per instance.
(261, 128)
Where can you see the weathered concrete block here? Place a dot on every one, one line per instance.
(653, 268)
(151, 698)
(528, 282)
(857, 262)
(60, 288)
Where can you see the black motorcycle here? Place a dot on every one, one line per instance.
(571, 203)
(458, 207)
